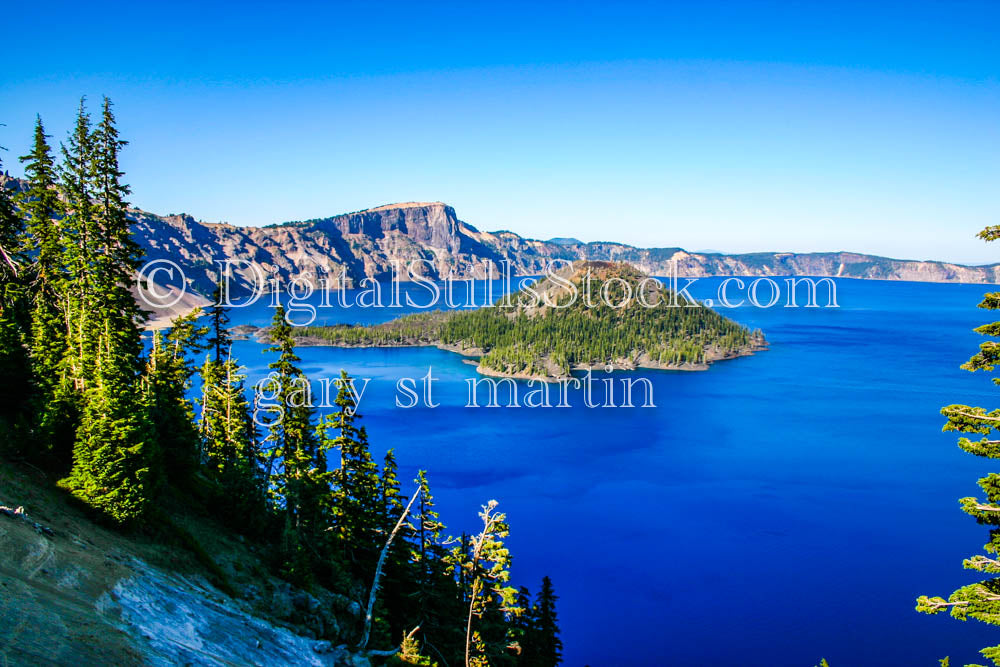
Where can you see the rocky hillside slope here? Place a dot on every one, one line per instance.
(75, 593)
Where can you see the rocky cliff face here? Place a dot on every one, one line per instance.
(367, 244)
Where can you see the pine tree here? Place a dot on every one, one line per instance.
(52, 397)
(119, 256)
(114, 455)
(547, 645)
(388, 490)
(490, 600)
(169, 372)
(399, 588)
(439, 600)
(358, 514)
(229, 447)
(77, 184)
(14, 366)
(980, 600)
(299, 476)
(218, 317)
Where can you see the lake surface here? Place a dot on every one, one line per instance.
(773, 510)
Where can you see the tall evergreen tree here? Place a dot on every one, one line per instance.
(438, 594)
(169, 372)
(300, 482)
(980, 600)
(228, 440)
(399, 589)
(358, 513)
(547, 646)
(76, 182)
(218, 316)
(55, 418)
(119, 256)
(14, 366)
(490, 600)
(114, 455)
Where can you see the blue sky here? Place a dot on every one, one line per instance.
(732, 126)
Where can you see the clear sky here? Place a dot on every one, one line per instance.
(800, 126)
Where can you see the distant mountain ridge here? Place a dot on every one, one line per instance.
(367, 243)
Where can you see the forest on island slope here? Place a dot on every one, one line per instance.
(587, 314)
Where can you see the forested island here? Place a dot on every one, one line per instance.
(589, 314)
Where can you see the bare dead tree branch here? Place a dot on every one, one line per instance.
(378, 571)
(986, 508)
(961, 413)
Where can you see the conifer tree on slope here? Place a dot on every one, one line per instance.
(490, 600)
(228, 441)
(168, 380)
(980, 600)
(547, 645)
(226, 426)
(114, 452)
(48, 298)
(299, 476)
(399, 591)
(437, 592)
(218, 317)
(119, 256)
(77, 184)
(14, 366)
(354, 497)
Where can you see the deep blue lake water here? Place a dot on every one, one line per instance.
(770, 511)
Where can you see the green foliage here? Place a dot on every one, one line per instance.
(439, 596)
(229, 450)
(168, 380)
(359, 515)
(114, 454)
(410, 654)
(114, 448)
(52, 396)
(546, 643)
(14, 363)
(979, 600)
(398, 577)
(491, 603)
(297, 474)
(218, 317)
